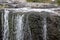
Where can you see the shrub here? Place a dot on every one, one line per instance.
(58, 2)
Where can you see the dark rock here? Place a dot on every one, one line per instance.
(1, 25)
(35, 24)
(52, 28)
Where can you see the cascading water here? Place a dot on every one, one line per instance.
(44, 29)
(19, 27)
(6, 26)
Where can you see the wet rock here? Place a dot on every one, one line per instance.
(36, 26)
(52, 28)
(1, 26)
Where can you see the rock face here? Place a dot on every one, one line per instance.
(36, 26)
(12, 1)
(52, 28)
(2, 1)
(1, 25)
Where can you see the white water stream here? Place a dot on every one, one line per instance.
(19, 27)
(44, 29)
(6, 26)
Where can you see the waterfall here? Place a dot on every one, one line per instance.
(19, 27)
(6, 26)
(18, 31)
(44, 29)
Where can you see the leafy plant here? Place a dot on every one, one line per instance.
(38, 0)
(58, 2)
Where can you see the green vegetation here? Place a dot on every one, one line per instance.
(34, 0)
(3, 6)
(58, 2)
(38, 0)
